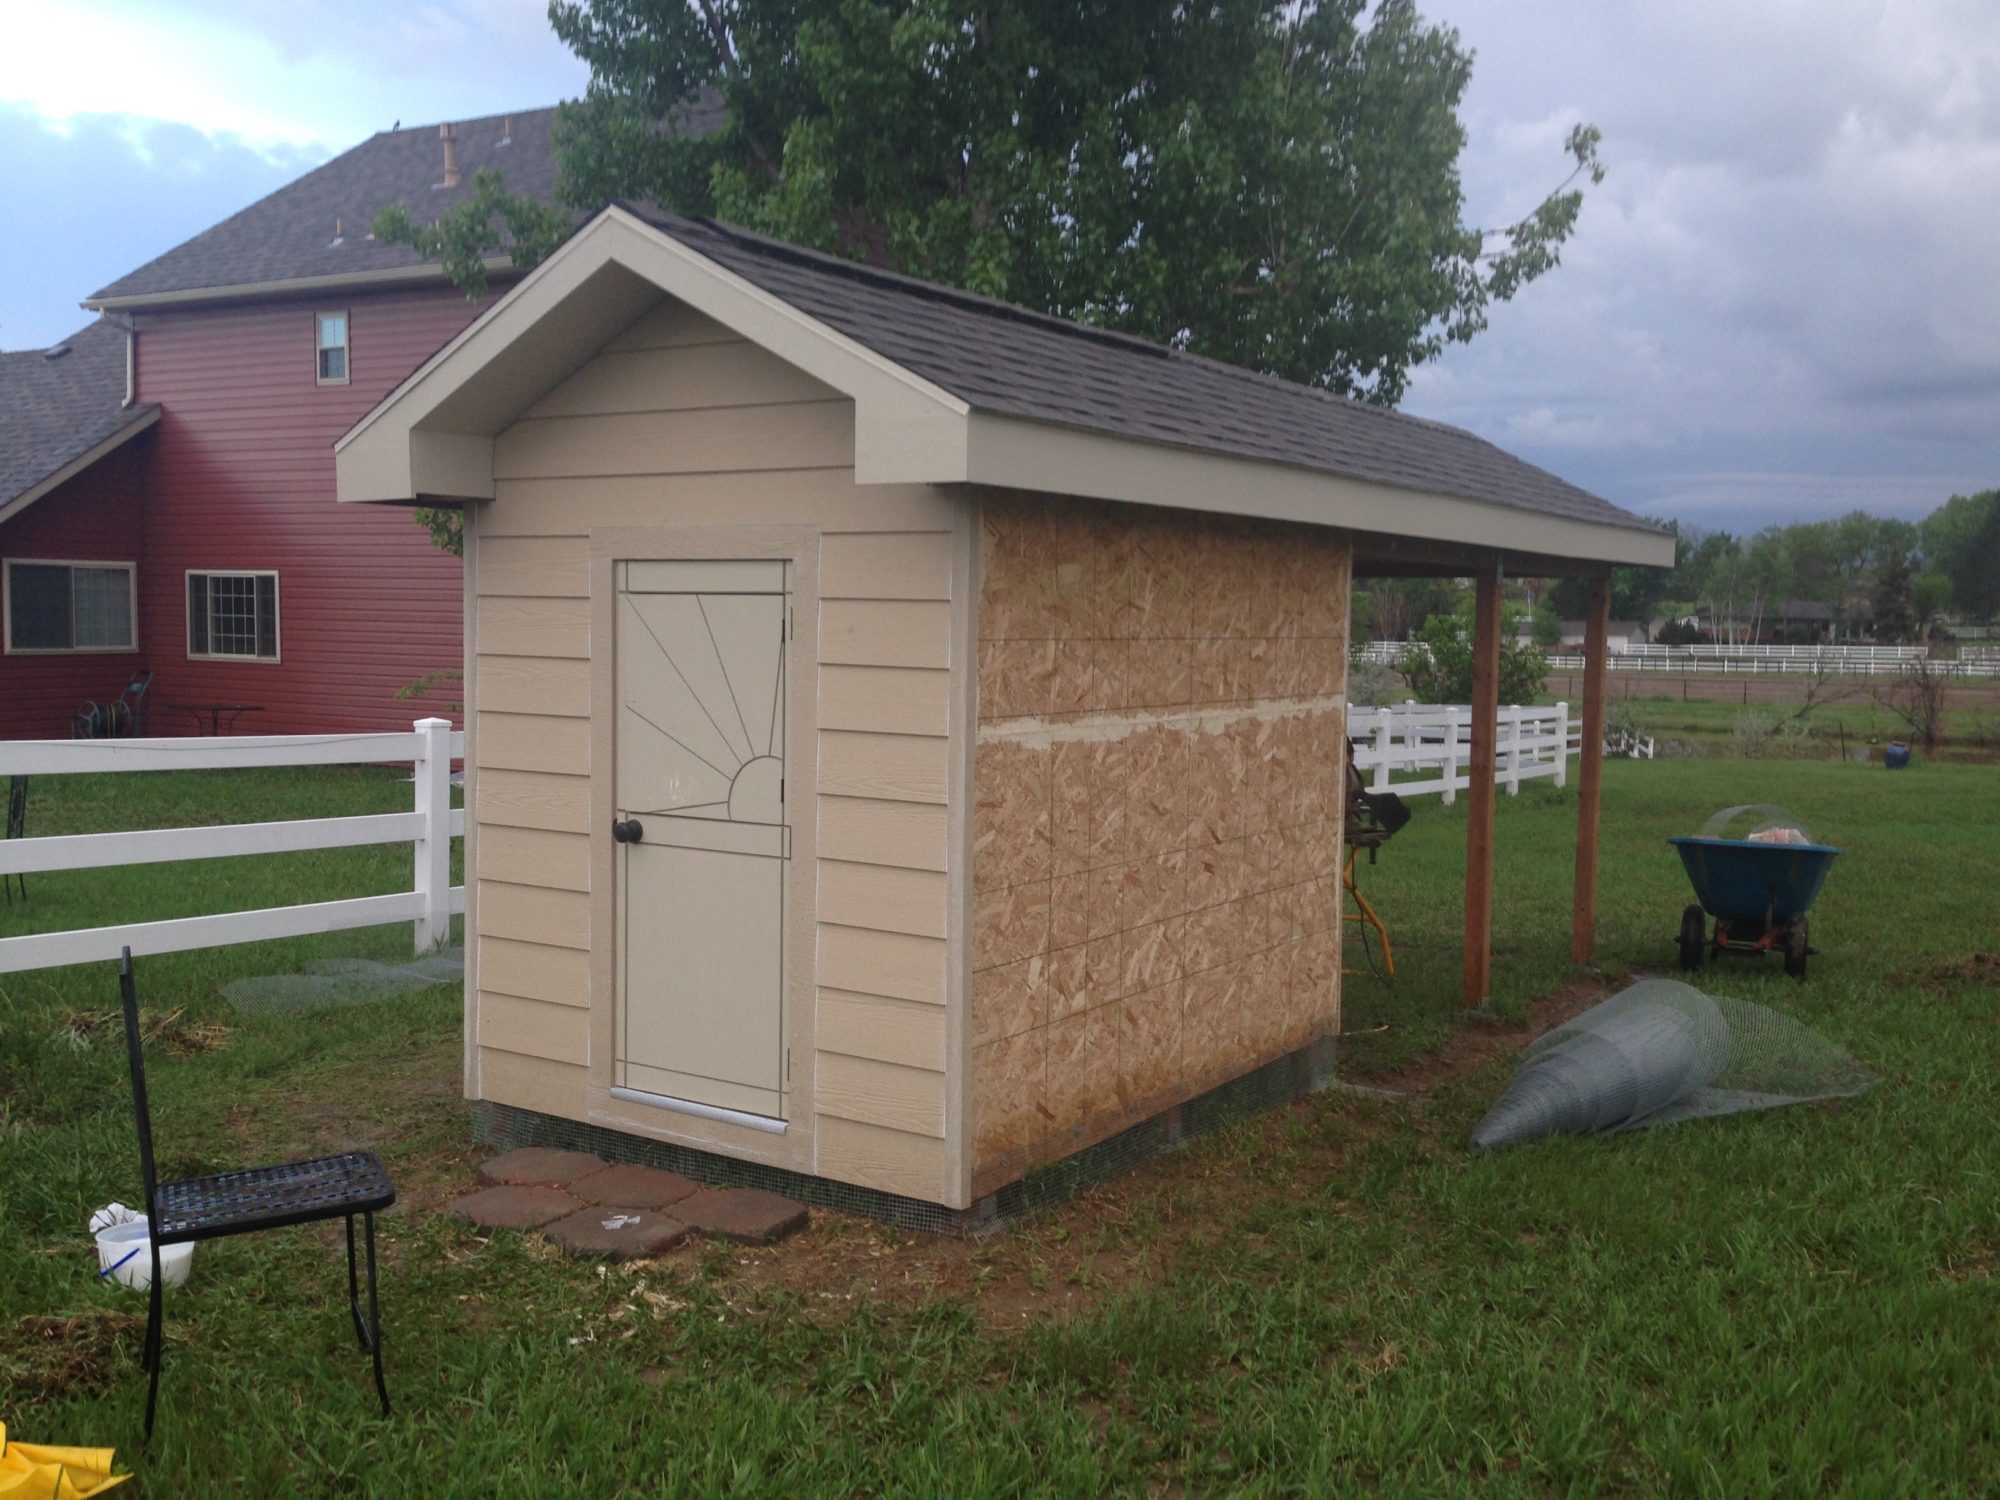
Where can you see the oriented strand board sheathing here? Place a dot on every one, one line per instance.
(1156, 829)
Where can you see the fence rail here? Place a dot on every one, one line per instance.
(429, 747)
(1850, 661)
(1430, 747)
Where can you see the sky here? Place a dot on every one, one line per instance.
(1780, 304)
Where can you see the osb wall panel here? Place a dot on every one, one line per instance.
(1157, 817)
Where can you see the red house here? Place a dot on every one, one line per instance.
(167, 480)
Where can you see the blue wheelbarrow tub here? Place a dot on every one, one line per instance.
(1740, 881)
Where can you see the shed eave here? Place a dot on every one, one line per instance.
(1012, 453)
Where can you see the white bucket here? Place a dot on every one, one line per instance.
(131, 1239)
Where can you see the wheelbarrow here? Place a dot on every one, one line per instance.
(1757, 889)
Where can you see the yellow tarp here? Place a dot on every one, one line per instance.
(41, 1471)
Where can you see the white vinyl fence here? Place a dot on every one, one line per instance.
(429, 827)
(1844, 660)
(1430, 747)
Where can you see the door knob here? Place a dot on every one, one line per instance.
(628, 832)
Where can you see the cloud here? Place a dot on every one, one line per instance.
(104, 194)
(1786, 273)
(322, 73)
(128, 126)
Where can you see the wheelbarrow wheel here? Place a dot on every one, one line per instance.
(1694, 938)
(1797, 948)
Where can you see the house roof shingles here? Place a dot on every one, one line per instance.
(56, 407)
(289, 235)
(1012, 362)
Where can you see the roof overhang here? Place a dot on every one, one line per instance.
(142, 418)
(387, 279)
(431, 440)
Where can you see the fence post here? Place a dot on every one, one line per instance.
(1514, 749)
(1562, 745)
(1451, 755)
(432, 777)
(1382, 728)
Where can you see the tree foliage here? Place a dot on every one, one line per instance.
(1269, 182)
(1961, 539)
(487, 222)
(1438, 665)
(1895, 616)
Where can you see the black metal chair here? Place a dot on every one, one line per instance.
(17, 827)
(209, 1208)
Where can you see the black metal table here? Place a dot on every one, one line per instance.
(215, 712)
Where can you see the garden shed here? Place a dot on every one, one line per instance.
(905, 732)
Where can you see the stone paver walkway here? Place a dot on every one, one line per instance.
(619, 1212)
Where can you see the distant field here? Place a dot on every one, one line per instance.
(1706, 708)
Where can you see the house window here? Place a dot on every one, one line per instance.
(330, 335)
(233, 615)
(70, 606)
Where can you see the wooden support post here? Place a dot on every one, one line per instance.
(1590, 774)
(1480, 790)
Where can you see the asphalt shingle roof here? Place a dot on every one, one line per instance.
(1012, 362)
(289, 234)
(56, 407)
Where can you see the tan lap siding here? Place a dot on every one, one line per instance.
(678, 422)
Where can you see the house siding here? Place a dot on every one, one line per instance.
(676, 423)
(1157, 805)
(94, 517)
(240, 475)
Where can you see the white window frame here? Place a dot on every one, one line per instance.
(7, 646)
(277, 617)
(345, 346)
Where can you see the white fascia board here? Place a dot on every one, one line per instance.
(1016, 454)
(906, 428)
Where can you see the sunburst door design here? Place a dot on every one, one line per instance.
(703, 835)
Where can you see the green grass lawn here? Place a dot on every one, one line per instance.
(1333, 1298)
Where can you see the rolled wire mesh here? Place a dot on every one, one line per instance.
(1663, 1051)
(344, 981)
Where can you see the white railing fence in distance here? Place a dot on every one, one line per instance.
(1971, 663)
(1430, 746)
(429, 747)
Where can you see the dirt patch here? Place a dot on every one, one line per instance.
(1483, 1039)
(47, 1358)
(1980, 968)
(1120, 1237)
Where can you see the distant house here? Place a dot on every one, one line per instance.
(166, 475)
(1621, 635)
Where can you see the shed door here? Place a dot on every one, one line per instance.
(700, 746)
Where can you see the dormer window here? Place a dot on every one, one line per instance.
(331, 338)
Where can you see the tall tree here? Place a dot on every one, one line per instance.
(1962, 541)
(1895, 608)
(1270, 182)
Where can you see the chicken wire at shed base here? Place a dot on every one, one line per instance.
(1663, 1051)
